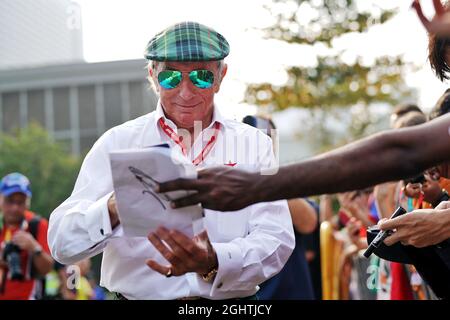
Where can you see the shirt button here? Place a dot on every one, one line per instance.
(102, 232)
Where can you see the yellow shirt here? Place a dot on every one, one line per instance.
(84, 292)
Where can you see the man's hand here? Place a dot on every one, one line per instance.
(353, 229)
(440, 23)
(184, 254)
(220, 188)
(25, 241)
(112, 209)
(356, 205)
(420, 228)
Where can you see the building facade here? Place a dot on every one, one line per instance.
(76, 103)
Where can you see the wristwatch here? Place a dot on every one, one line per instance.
(210, 275)
(37, 251)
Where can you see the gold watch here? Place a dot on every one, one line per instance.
(210, 275)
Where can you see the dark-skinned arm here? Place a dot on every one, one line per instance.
(387, 156)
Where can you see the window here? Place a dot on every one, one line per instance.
(61, 109)
(11, 111)
(113, 108)
(36, 107)
(86, 107)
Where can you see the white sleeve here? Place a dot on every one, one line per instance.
(244, 263)
(80, 226)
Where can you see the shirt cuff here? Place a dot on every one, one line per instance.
(97, 220)
(230, 263)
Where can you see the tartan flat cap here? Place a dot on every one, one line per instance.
(187, 41)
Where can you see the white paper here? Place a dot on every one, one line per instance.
(141, 210)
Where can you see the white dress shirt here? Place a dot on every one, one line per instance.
(252, 244)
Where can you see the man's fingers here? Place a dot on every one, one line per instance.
(187, 201)
(157, 267)
(178, 184)
(390, 224)
(440, 10)
(393, 238)
(178, 250)
(184, 241)
(161, 247)
(426, 23)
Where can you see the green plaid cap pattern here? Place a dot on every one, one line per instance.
(187, 41)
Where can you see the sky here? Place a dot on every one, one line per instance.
(119, 30)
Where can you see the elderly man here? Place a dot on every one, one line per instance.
(237, 251)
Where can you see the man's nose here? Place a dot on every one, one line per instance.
(186, 91)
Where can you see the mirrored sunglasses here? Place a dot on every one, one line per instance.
(170, 79)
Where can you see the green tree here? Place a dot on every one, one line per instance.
(332, 86)
(51, 170)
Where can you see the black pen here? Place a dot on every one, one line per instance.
(382, 234)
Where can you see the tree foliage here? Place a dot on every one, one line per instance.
(332, 84)
(324, 21)
(51, 170)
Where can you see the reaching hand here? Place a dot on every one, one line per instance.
(440, 23)
(220, 188)
(420, 228)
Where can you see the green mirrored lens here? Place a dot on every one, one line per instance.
(169, 79)
(203, 79)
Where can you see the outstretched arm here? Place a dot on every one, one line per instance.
(387, 156)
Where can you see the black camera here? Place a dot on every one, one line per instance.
(11, 254)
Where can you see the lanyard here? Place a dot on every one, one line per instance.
(178, 140)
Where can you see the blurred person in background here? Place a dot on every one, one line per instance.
(394, 278)
(311, 243)
(401, 110)
(57, 284)
(386, 194)
(24, 254)
(357, 212)
(84, 290)
(293, 282)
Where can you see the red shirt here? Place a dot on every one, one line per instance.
(22, 290)
(400, 286)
